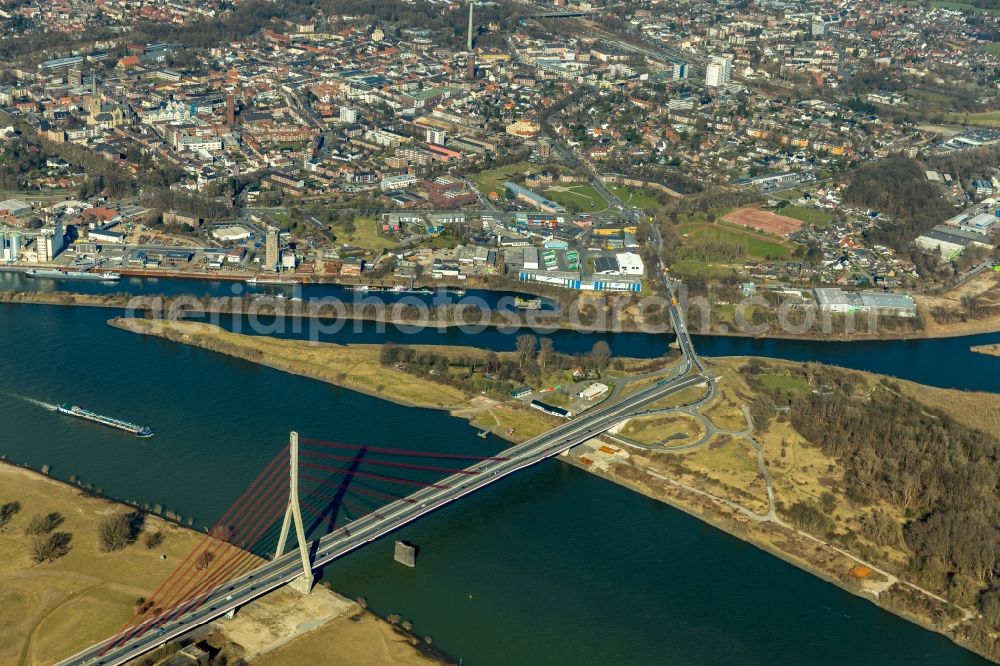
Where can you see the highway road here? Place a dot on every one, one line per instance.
(283, 570)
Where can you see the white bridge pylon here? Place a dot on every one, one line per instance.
(293, 513)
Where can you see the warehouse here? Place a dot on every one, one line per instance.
(950, 242)
(835, 300)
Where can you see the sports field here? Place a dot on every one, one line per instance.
(807, 214)
(581, 196)
(763, 220)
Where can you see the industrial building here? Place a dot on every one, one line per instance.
(838, 301)
(594, 391)
(524, 195)
(551, 409)
(949, 241)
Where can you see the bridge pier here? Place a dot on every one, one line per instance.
(293, 514)
(302, 584)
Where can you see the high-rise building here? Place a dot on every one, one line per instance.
(818, 27)
(230, 110)
(436, 136)
(348, 115)
(272, 248)
(718, 72)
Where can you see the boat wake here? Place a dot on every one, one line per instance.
(39, 403)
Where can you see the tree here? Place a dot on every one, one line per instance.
(203, 561)
(44, 524)
(7, 511)
(46, 548)
(154, 539)
(119, 530)
(526, 345)
(600, 355)
(827, 501)
(989, 606)
(546, 352)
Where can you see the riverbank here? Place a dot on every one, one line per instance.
(778, 491)
(360, 367)
(592, 313)
(753, 494)
(51, 610)
(354, 367)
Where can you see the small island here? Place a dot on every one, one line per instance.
(989, 350)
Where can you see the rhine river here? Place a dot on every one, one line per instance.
(552, 566)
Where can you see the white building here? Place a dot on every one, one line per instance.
(594, 391)
(630, 263)
(231, 234)
(436, 136)
(530, 258)
(390, 183)
(348, 115)
(718, 72)
(11, 247)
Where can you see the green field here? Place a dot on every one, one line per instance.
(815, 216)
(785, 383)
(951, 4)
(986, 118)
(787, 195)
(758, 246)
(582, 197)
(700, 269)
(493, 180)
(282, 217)
(366, 234)
(636, 197)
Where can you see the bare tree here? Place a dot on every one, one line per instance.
(546, 352)
(154, 539)
(46, 548)
(43, 524)
(600, 355)
(526, 345)
(119, 530)
(203, 561)
(7, 511)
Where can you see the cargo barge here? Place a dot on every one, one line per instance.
(72, 275)
(118, 424)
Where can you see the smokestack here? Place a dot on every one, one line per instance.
(468, 46)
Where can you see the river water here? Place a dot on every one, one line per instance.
(552, 566)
